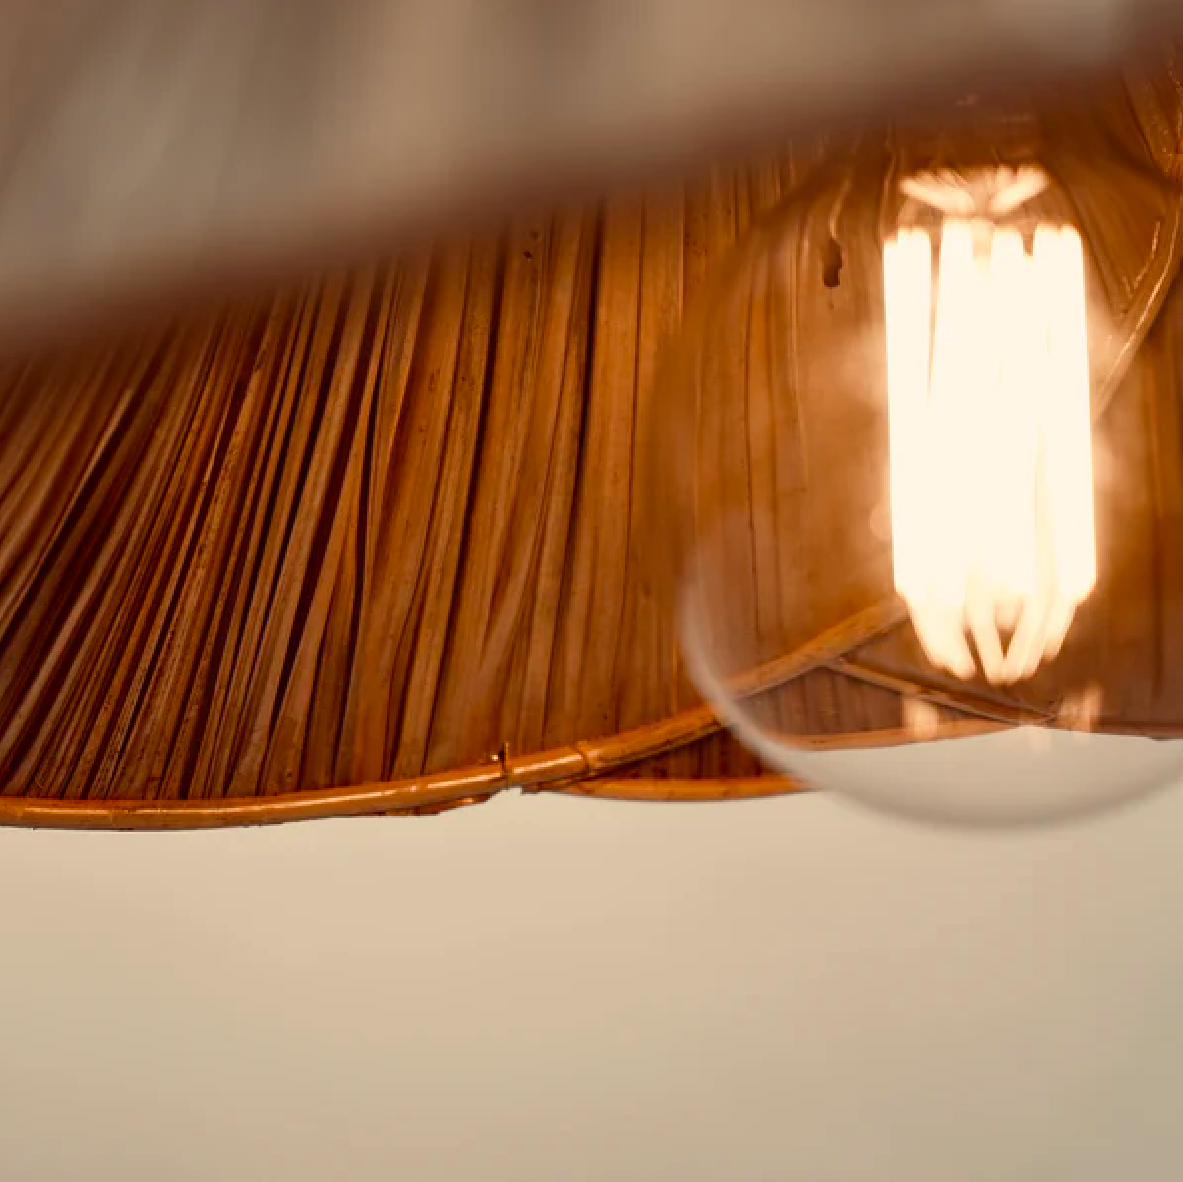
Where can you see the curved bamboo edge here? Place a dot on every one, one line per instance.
(680, 791)
(586, 768)
(582, 767)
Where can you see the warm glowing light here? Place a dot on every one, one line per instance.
(991, 446)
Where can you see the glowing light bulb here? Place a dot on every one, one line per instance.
(991, 444)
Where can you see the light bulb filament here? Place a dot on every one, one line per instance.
(991, 448)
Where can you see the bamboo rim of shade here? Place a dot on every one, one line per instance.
(586, 768)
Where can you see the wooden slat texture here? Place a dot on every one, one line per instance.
(398, 521)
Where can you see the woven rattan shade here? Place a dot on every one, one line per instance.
(387, 529)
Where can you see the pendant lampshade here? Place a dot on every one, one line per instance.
(856, 460)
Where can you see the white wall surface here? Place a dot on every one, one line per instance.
(558, 990)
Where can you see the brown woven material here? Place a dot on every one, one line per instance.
(376, 543)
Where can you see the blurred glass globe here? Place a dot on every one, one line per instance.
(777, 471)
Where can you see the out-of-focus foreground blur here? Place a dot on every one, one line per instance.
(147, 145)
